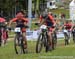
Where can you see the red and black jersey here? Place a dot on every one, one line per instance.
(48, 18)
(20, 21)
(68, 26)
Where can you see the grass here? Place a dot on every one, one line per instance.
(59, 11)
(61, 52)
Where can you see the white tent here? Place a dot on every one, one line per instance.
(72, 10)
(51, 4)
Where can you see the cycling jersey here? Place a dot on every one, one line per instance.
(48, 19)
(20, 22)
(68, 26)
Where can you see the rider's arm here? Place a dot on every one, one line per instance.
(42, 22)
(13, 20)
(26, 21)
(72, 25)
(40, 19)
(52, 19)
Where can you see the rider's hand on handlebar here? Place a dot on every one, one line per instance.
(38, 24)
(26, 26)
(9, 28)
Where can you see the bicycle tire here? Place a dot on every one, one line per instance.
(46, 43)
(54, 41)
(73, 35)
(0, 39)
(74, 38)
(22, 46)
(18, 43)
(39, 48)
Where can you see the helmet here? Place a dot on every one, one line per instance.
(20, 14)
(44, 15)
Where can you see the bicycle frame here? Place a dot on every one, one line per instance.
(19, 41)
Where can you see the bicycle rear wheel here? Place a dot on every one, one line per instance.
(46, 43)
(18, 45)
(39, 44)
(0, 39)
(73, 37)
(54, 41)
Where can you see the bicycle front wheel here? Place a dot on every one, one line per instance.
(39, 44)
(18, 45)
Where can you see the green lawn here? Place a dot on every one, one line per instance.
(59, 11)
(61, 52)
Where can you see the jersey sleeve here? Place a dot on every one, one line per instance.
(51, 19)
(40, 18)
(25, 20)
(14, 19)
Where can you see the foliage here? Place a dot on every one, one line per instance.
(7, 4)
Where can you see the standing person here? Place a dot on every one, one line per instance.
(63, 16)
(3, 31)
(21, 21)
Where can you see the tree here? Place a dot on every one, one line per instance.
(6, 6)
(23, 4)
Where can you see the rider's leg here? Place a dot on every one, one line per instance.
(69, 36)
(50, 39)
(51, 30)
(25, 40)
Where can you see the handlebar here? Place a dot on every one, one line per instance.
(26, 26)
(37, 24)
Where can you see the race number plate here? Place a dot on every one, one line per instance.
(17, 29)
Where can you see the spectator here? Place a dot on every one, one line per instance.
(63, 16)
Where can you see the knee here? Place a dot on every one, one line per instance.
(49, 34)
(24, 34)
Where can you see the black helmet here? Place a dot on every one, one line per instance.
(44, 14)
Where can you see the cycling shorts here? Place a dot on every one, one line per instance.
(50, 29)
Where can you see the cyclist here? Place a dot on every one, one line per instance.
(68, 27)
(73, 32)
(21, 21)
(48, 19)
(3, 31)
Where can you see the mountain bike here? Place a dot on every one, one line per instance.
(19, 41)
(43, 40)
